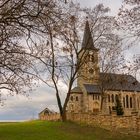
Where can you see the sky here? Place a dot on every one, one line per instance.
(114, 5)
(22, 108)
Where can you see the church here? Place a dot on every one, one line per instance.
(98, 92)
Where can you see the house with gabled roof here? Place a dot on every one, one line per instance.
(97, 92)
(47, 114)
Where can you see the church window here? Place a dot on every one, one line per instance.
(112, 98)
(92, 58)
(108, 98)
(116, 96)
(113, 108)
(71, 98)
(138, 103)
(130, 102)
(124, 102)
(127, 102)
(93, 97)
(76, 98)
(96, 97)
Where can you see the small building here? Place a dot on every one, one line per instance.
(48, 114)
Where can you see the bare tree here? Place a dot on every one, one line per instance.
(22, 22)
(129, 24)
(58, 28)
(103, 37)
(129, 19)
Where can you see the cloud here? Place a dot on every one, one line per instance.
(22, 108)
(114, 5)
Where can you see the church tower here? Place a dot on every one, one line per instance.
(88, 60)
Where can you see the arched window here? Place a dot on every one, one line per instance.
(131, 102)
(92, 58)
(71, 98)
(108, 98)
(127, 102)
(72, 107)
(112, 98)
(116, 98)
(124, 102)
(93, 97)
(76, 98)
(138, 103)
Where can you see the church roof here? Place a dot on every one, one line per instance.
(76, 90)
(87, 39)
(90, 88)
(111, 81)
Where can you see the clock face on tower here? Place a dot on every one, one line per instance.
(91, 70)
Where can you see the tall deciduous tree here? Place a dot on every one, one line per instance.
(22, 22)
(104, 38)
(32, 22)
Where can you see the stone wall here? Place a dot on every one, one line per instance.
(50, 117)
(111, 122)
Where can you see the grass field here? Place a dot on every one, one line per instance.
(43, 130)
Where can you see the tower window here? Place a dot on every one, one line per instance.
(130, 102)
(76, 98)
(127, 102)
(124, 102)
(116, 97)
(72, 107)
(71, 98)
(108, 98)
(92, 58)
(112, 98)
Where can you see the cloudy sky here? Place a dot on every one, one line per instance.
(23, 108)
(113, 4)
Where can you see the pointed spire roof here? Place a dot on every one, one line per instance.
(87, 39)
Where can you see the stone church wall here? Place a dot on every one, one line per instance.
(110, 122)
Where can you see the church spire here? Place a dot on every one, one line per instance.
(87, 39)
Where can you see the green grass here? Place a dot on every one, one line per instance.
(43, 130)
